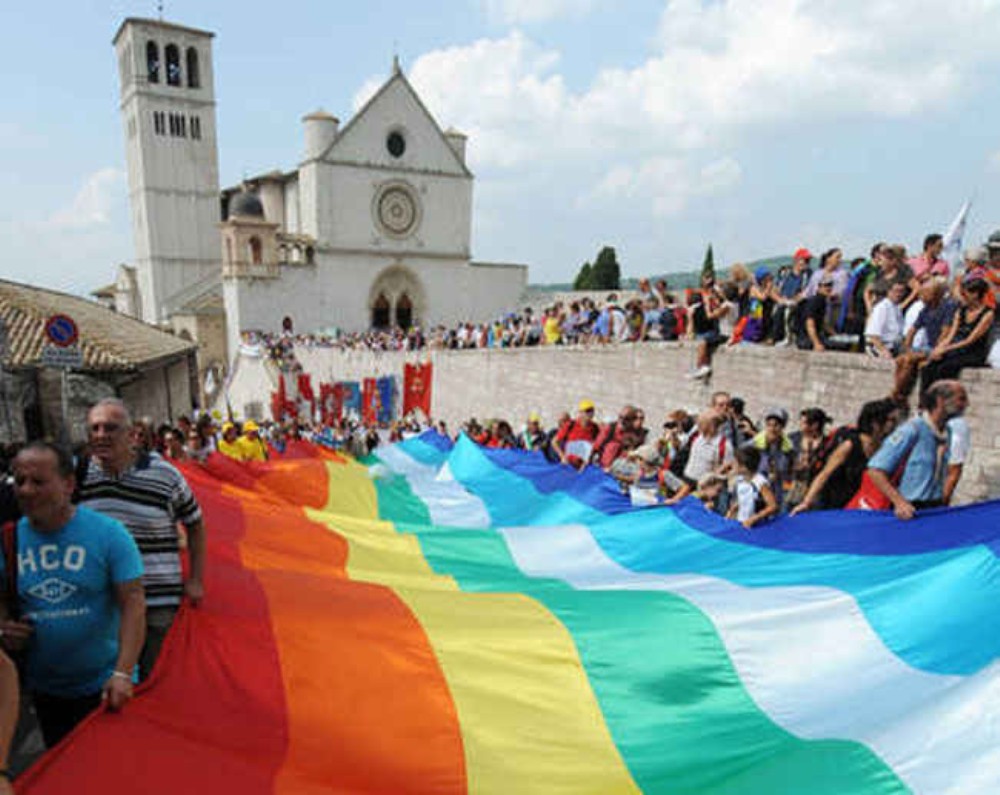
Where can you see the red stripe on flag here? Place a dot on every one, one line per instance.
(289, 679)
(213, 718)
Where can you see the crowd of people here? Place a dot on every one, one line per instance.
(719, 454)
(912, 309)
(754, 471)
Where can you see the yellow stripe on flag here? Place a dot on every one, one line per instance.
(530, 721)
(352, 492)
(503, 656)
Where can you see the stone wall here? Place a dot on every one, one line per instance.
(17, 390)
(161, 393)
(512, 382)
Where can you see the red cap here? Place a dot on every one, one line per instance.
(803, 253)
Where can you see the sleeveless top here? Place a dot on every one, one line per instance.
(980, 348)
(846, 480)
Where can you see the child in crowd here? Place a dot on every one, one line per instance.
(753, 499)
(709, 490)
(644, 488)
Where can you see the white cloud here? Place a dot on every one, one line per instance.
(668, 184)
(76, 247)
(718, 74)
(522, 12)
(93, 204)
(715, 69)
(502, 93)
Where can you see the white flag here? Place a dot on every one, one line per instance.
(952, 252)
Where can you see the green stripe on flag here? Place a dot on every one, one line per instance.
(672, 700)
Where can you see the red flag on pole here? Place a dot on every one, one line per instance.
(279, 400)
(328, 408)
(369, 401)
(305, 388)
(417, 380)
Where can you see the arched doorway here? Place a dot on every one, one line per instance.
(404, 312)
(399, 292)
(380, 312)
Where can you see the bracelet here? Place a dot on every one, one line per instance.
(122, 675)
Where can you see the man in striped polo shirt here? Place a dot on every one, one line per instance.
(149, 496)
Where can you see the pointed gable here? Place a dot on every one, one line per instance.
(395, 111)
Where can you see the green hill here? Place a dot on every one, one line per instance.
(678, 280)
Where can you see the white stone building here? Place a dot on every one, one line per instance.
(373, 228)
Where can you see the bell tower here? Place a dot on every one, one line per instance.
(167, 103)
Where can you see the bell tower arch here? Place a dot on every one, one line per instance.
(168, 112)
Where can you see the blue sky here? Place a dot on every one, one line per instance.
(655, 127)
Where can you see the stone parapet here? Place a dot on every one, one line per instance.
(512, 382)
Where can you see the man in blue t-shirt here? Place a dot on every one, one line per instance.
(921, 449)
(81, 611)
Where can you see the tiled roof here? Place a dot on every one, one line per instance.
(109, 341)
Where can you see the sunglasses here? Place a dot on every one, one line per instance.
(107, 427)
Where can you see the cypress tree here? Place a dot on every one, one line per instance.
(606, 273)
(708, 266)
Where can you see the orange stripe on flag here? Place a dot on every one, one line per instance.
(368, 706)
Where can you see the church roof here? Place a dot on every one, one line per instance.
(109, 341)
(160, 24)
(247, 204)
(107, 291)
(203, 297)
(397, 75)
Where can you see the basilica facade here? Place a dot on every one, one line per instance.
(371, 229)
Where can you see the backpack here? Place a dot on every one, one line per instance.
(680, 318)
(830, 442)
(851, 318)
(758, 498)
(869, 497)
(12, 596)
(605, 436)
(680, 461)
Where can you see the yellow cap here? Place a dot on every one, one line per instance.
(250, 425)
(534, 417)
(585, 405)
(227, 426)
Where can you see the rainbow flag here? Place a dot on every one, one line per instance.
(449, 619)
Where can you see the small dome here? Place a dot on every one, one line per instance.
(246, 204)
(994, 240)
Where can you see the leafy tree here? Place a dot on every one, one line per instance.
(584, 278)
(606, 274)
(708, 266)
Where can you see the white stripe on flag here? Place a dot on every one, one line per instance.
(811, 661)
(447, 501)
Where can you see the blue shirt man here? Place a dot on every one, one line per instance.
(66, 585)
(920, 447)
(80, 610)
(923, 452)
